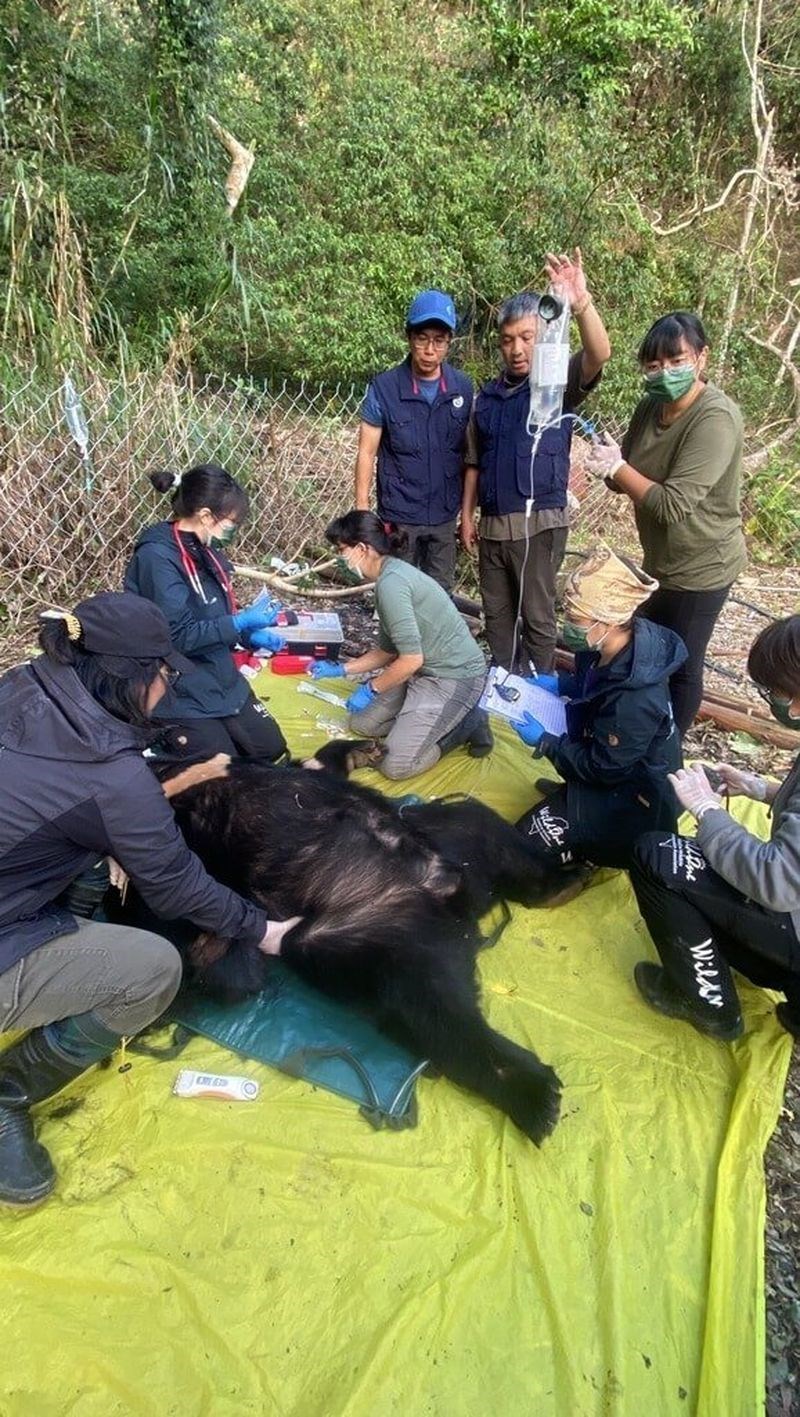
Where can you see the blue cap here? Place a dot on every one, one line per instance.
(432, 305)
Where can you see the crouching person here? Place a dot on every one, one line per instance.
(621, 742)
(423, 700)
(75, 786)
(726, 899)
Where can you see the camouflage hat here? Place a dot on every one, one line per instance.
(607, 588)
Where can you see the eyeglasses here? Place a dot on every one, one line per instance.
(782, 700)
(430, 341)
(672, 362)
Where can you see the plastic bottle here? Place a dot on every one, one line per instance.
(550, 359)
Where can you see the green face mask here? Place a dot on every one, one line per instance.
(226, 537)
(574, 637)
(670, 384)
(779, 708)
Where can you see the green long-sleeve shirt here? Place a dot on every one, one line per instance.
(689, 522)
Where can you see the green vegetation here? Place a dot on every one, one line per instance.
(396, 146)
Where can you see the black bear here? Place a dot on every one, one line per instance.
(390, 897)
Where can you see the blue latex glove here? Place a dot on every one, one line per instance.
(548, 682)
(530, 730)
(271, 612)
(327, 669)
(266, 639)
(254, 618)
(361, 699)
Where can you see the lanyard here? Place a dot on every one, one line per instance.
(190, 571)
(415, 385)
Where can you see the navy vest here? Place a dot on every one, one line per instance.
(504, 454)
(421, 452)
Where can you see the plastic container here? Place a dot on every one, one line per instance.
(291, 663)
(232, 1089)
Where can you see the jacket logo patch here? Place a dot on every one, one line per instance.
(613, 740)
(458, 401)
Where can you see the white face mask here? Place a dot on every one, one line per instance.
(598, 644)
(351, 565)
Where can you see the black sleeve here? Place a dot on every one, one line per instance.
(621, 736)
(576, 391)
(140, 832)
(155, 575)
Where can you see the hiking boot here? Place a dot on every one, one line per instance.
(658, 990)
(30, 1071)
(474, 731)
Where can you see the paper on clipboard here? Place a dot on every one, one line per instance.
(546, 707)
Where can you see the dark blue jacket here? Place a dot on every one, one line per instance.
(506, 479)
(620, 743)
(201, 628)
(74, 787)
(421, 452)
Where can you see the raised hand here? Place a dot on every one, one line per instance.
(568, 273)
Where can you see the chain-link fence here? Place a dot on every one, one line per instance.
(74, 464)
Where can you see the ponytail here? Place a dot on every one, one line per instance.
(366, 529)
(206, 485)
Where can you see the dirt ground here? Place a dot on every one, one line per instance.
(759, 597)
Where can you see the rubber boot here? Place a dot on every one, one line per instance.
(36, 1068)
(658, 990)
(788, 1016)
(473, 730)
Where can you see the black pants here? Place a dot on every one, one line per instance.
(701, 926)
(500, 566)
(692, 614)
(433, 550)
(252, 733)
(562, 842)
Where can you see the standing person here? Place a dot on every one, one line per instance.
(75, 786)
(181, 566)
(621, 742)
(725, 899)
(414, 422)
(423, 699)
(681, 465)
(501, 481)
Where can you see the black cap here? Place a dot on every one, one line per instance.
(128, 626)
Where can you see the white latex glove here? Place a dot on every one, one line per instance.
(117, 876)
(604, 459)
(743, 784)
(694, 791)
(276, 929)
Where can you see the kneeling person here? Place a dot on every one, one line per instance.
(726, 899)
(621, 741)
(424, 698)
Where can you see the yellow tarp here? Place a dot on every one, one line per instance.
(202, 1257)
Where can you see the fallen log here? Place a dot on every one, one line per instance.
(735, 716)
(288, 588)
(735, 721)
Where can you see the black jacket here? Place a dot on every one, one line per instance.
(201, 625)
(74, 787)
(620, 743)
